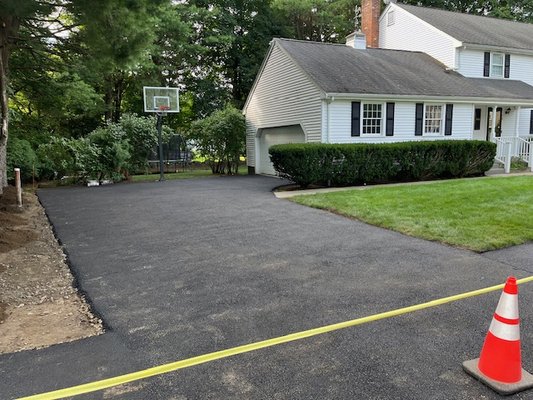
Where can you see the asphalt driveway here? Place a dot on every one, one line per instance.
(182, 268)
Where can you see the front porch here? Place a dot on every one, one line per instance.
(509, 126)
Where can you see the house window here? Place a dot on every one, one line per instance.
(372, 120)
(433, 119)
(496, 65)
(390, 18)
(477, 119)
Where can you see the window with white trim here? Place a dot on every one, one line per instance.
(390, 18)
(372, 120)
(433, 119)
(496, 65)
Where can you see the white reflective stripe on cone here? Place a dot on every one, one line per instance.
(508, 306)
(504, 331)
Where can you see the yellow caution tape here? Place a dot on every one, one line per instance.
(217, 355)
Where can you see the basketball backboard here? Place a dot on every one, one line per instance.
(161, 98)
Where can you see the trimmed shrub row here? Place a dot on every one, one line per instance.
(356, 164)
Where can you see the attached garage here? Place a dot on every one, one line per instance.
(271, 136)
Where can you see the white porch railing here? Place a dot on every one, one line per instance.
(504, 153)
(509, 147)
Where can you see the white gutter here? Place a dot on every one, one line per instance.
(451, 99)
(499, 49)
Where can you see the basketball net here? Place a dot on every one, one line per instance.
(162, 110)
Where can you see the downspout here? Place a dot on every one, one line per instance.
(517, 121)
(329, 100)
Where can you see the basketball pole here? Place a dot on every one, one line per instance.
(159, 126)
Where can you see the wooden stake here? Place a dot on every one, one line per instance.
(18, 186)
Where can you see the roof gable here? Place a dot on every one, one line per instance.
(474, 29)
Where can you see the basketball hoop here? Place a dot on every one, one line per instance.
(162, 110)
(161, 101)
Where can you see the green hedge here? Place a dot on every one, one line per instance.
(356, 164)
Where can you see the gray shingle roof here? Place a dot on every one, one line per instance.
(474, 29)
(341, 69)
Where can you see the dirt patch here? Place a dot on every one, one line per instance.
(39, 305)
(14, 238)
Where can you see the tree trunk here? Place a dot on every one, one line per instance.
(8, 29)
(108, 99)
(118, 93)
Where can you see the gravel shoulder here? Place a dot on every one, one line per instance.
(39, 304)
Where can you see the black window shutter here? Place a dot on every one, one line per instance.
(486, 64)
(507, 70)
(356, 118)
(449, 120)
(390, 120)
(419, 119)
(531, 123)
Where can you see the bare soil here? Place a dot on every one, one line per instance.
(39, 305)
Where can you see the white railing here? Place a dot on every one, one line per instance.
(523, 148)
(504, 150)
(511, 146)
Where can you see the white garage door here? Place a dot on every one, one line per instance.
(272, 136)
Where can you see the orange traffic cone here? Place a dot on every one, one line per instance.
(500, 366)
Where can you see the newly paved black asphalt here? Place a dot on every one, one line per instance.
(182, 268)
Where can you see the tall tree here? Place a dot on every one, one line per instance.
(33, 25)
(234, 36)
(117, 35)
(317, 20)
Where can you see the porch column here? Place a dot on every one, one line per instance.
(493, 128)
(517, 124)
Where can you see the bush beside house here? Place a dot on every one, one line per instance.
(356, 164)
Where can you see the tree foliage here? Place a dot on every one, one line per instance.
(317, 20)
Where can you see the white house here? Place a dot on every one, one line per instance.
(436, 75)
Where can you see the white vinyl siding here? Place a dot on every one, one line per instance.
(463, 121)
(522, 68)
(282, 96)
(471, 65)
(404, 124)
(411, 33)
(525, 115)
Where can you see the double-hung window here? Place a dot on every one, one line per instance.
(372, 121)
(496, 65)
(433, 119)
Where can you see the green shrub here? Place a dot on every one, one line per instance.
(56, 158)
(220, 138)
(21, 155)
(355, 164)
(111, 154)
(141, 134)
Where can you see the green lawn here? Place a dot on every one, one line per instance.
(478, 214)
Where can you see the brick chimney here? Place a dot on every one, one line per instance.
(370, 11)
